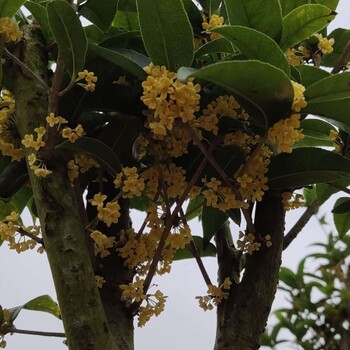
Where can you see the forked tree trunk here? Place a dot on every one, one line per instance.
(241, 319)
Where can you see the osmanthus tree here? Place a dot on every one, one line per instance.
(153, 105)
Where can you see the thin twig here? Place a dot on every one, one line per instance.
(41, 333)
(300, 224)
(30, 235)
(26, 68)
(339, 187)
(196, 254)
(343, 59)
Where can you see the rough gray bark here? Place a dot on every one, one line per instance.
(83, 315)
(241, 318)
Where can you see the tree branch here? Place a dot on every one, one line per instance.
(300, 224)
(343, 59)
(40, 333)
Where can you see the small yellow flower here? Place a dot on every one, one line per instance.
(98, 200)
(324, 44)
(215, 21)
(8, 31)
(100, 281)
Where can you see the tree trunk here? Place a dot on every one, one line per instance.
(241, 319)
(83, 315)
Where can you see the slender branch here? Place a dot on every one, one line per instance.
(41, 333)
(339, 187)
(26, 68)
(195, 253)
(30, 235)
(300, 224)
(343, 59)
(56, 85)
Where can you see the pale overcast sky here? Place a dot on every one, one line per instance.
(183, 325)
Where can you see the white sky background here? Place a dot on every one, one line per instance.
(183, 325)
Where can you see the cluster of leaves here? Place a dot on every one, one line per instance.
(318, 310)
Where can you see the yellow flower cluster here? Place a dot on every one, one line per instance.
(9, 138)
(102, 243)
(169, 98)
(285, 133)
(221, 197)
(246, 243)
(12, 231)
(324, 44)
(80, 164)
(100, 281)
(299, 100)
(38, 166)
(8, 31)
(337, 141)
(29, 141)
(292, 200)
(133, 292)
(296, 56)
(130, 182)
(53, 120)
(73, 134)
(108, 213)
(215, 21)
(90, 79)
(215, 295)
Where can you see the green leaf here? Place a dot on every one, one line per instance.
(332, 4)
(43, 303)
(186, 253)
(8, 8)
(40, 14)
(303, 22)
(316, 133)
(255, 45)
(210, 6)
(264, 16)
(289, 5)
(212, 220)
(306, 166)
(266, 89)
(12, 178)
(21, 198)
(131, 61)
(329, 98)
(325, 191)
(166, 32)
(342, 208)
(288, 277)
(69, 35)
(311, 74)
(341, 37)
(97, 149)
(101, 12)
(141, 203)
(194, 208)
(215, 46)
(194, 15)
(126, 20)
(309, 195)
(342, 221)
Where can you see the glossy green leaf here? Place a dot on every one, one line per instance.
(309, 195)
(69, 34)
(330, 98)
(8, 8)
(131, 61)
(332, 4)
(166, 32)
(40, 14)
(212, 220)
(126, 20)
(255, 45)
(343, 207)
(210, 6)
(303, 22)
(12, 178)
(186, 253)
(194, 15)
(341, 37)
(311, 74)
(342, 221)
(97, 149)
(20, 199)
(264, 16)
(262, 86)
(215, 46)
(316, 133)
(194, 208)
(100, 12)
(326, 190)
(306, 166)
(289, 5)
(43, 303)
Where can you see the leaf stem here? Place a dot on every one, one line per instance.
(40, 333)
